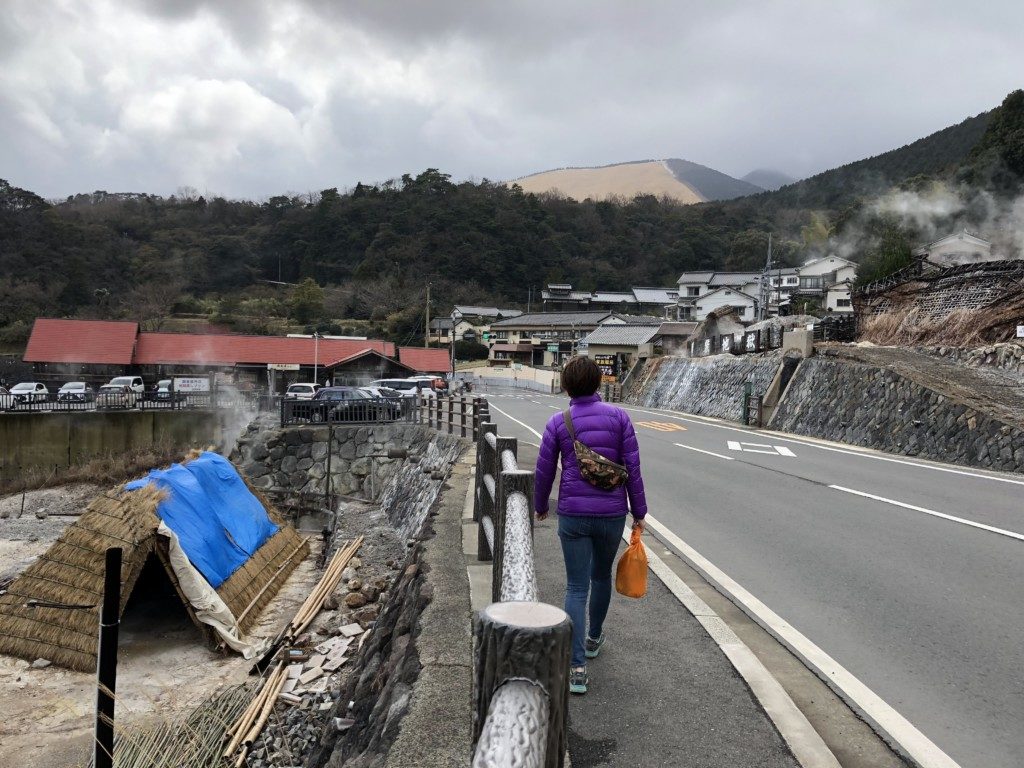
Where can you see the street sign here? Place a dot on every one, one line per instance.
(487, 336)
(282, 366)
(191, 384)
(552, 347)
(1020, 331)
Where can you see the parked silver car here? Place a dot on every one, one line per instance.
(116, 396)
(30, 392)
(76, 392)
(6, 399)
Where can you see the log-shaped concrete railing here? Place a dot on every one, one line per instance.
(522, 648)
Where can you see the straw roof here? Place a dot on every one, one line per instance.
(70, 573)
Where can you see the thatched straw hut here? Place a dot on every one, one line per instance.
(36, 617)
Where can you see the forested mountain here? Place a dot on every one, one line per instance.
(368, 252)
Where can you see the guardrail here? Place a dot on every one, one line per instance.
(523, 647)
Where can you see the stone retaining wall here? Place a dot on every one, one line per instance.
(410, 683)
(1007, 357)
(878, 408)
(712, 385)
(295, 459)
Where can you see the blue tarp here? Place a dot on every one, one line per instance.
(219, 523)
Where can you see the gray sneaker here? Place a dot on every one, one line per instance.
(578, 680)
(593, 646)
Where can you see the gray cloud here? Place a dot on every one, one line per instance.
(251, 98)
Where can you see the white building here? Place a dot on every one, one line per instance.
(694, 285)
(959, 248)
(744, 303)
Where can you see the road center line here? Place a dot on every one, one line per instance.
(517, 421)
(701, 450)
(943, 515)
(864, 454)
(864, 701)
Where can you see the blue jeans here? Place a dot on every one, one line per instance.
(589, 544)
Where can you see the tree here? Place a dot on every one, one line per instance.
(151, 303)
(306, 301)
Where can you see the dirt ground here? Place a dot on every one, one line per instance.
(164, 666)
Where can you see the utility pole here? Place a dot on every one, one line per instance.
(455, 313)
(766, 283)
(106, 664)
(426, 335)
(529, 298)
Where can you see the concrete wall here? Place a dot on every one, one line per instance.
(707, 385)
(44, 441)
(878, 408)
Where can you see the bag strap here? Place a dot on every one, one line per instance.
(567, 416)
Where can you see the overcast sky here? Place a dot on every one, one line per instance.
(251, 98)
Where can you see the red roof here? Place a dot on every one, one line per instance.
(363, 353)
(81, 341)
(426, 360)
(234, 349)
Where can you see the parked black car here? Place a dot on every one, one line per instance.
(346, 404)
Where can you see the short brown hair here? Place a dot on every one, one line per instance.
(580, 376)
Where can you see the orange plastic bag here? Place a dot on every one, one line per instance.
(631, 572)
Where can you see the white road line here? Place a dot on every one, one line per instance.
(517, 421)
(864, 454)
(734, 445)
(701, 450)
(943, 515)
(784, 451)
(805, 742)
(863, 700)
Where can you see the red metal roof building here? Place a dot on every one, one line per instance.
(232, 349)
(426, 360)
(99, 342)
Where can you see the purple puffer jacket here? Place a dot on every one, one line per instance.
(608, 431)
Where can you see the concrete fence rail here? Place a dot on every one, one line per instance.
(522, 648)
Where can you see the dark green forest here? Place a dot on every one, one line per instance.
(365, 255)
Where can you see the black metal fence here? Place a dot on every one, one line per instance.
(830, 328)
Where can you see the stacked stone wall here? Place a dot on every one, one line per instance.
(1007, 358)
(711, 386)
(878, 408)
(295, 458)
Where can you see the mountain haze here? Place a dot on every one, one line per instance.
(768, 179)
(677, 179)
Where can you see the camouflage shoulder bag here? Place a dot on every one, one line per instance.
(596, 469)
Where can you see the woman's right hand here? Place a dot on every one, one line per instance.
(639, 525)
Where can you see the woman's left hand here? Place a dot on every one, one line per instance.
(542, 516)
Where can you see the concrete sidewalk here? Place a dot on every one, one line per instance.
(662, 693)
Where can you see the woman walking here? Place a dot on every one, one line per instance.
(590, 519)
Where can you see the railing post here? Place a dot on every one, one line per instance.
(518, 577)
(500, 503)
(484, 505)
(462, 416)
(521, 641)
(451, 416)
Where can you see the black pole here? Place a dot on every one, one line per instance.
(106, 665)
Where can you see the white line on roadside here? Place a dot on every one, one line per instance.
(943, 515)
(701, 450)
(812, 443)
(784, 451)
(864, 701)
(517, 421)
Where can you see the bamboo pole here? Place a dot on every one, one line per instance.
(312, 605)
(254, 732)
(243, 723)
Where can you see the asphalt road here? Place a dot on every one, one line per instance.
(857, 551)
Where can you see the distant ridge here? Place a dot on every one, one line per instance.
(769, 179)
(681, 180)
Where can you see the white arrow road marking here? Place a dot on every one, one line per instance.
(701, 450)
(771, 450)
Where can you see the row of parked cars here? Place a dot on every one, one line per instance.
(380, 400)
(119, 392)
